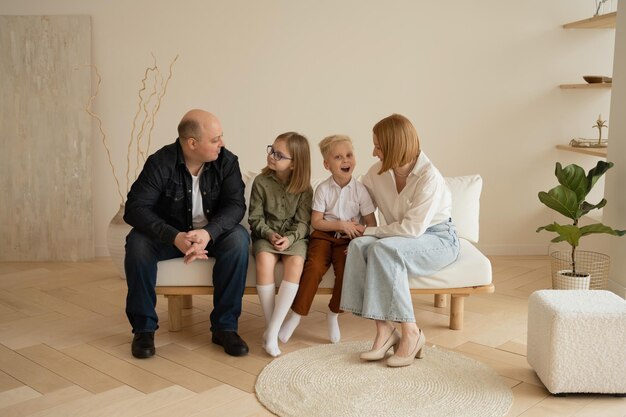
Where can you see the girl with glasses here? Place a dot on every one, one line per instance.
(279, 217)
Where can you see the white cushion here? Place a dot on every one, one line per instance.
(466, 204)
(470, 269)
(174, 272)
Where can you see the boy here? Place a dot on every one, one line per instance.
(339, 204)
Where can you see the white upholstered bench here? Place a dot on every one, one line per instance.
(469, 274)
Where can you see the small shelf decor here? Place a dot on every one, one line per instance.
(592, 143)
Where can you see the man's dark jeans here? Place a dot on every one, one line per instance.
(230, 251)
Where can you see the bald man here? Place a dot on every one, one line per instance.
(187, 203)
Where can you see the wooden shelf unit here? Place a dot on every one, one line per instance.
(604, 21)
(586, 86)
(601, 152)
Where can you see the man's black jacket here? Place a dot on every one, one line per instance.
(159, 201)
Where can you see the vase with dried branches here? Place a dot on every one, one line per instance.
(150, 96)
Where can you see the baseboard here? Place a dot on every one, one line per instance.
(511, 250)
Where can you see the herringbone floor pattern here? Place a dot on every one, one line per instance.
(64, 347)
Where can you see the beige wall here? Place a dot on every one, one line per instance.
(478, 79)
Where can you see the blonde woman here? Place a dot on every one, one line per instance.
(280, 217)
(418, 238)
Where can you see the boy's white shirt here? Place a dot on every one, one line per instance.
(342, 203)
(425, 200)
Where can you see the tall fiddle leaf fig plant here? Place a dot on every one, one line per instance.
(568, 198)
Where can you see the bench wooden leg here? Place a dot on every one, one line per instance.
(457, 305)
(187, 301)
(441, 300)
(175, 311)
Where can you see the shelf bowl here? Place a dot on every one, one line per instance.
(595, 79)
(592, 79)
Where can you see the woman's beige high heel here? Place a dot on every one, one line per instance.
(374, 355)
(417, 352)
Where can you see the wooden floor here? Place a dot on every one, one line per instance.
(64, 347)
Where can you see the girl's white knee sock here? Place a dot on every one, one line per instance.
(333, 327)
(286, 293)
(288, 327)
(266, 297)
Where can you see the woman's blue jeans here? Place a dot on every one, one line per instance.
(231, 252)
(377, 271)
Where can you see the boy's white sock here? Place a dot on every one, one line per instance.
(333, 327)
(288, 327)
(286, 293)
(266, 297)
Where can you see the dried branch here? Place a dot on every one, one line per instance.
(148, 106)
(132, 132)
(158, 106)
(104, 136)
(144, 121)
(154, 103)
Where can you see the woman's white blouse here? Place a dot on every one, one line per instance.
(424, 201)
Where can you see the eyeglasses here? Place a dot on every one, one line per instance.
(276, 155)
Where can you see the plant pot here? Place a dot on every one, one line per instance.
(566, 280)
(116, 240)
(593, 263)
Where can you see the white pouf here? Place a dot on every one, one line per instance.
(577, 341)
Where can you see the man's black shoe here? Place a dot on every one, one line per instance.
(232, 343)
(143, 345)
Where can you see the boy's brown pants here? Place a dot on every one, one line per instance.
(324, 249)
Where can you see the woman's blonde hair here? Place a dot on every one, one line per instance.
(298, 147)
(327, 144)
(398, 141)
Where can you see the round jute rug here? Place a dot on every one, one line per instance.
(331, 380)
